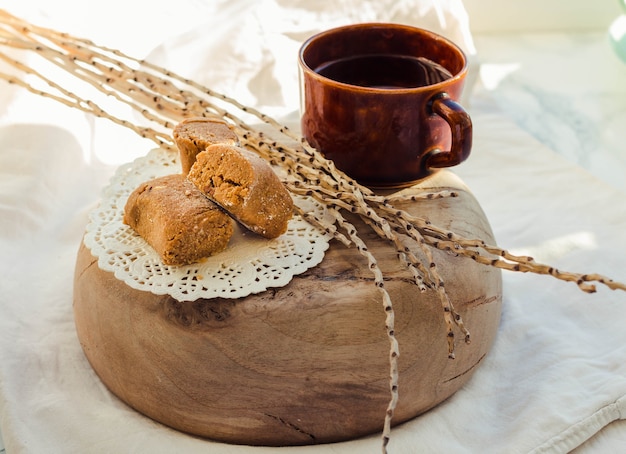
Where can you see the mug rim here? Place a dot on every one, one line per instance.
(382, 25)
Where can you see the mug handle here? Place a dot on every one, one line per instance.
(461, 128)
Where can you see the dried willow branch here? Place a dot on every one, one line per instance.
(164, 98)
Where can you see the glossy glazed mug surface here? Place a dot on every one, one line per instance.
(380, 101)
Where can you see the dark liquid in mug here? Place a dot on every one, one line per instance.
(384, 71)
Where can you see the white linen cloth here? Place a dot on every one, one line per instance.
(555, 376)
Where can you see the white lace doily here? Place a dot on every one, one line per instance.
(250, 263)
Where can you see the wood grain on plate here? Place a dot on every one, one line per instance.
(302, 364)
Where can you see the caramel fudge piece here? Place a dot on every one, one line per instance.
(245, 185)
(194, 135)
(178, 221)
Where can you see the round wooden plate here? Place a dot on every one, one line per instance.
(302, 364)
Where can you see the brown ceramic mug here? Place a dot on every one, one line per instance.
(380, 100)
